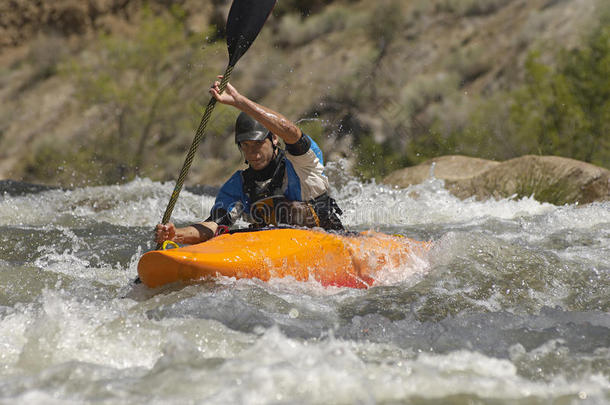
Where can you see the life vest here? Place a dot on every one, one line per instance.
(268, 205)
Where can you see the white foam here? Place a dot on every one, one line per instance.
(375, 205)
(140, 202)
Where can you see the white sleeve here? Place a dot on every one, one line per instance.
(310, 173)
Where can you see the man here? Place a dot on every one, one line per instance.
(279, 187)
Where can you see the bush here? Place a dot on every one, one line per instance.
(566, 111)
(471, 7)
(45, 55)
(559, 110)
(97, 161)
(426, 89)
(294, 31)
(470, 62)
(140, 84)
(386, 21)
(376, 160)
(304, 7)
(314, 128)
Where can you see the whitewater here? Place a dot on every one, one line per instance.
(511, 306)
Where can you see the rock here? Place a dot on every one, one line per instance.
(452, 168)
(552, 179)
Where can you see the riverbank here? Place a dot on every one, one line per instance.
(104, 91)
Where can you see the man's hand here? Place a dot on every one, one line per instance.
(165, 232)
(188, 235)
(229, 96)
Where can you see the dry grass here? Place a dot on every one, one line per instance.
(361, 68)
(469, 8)
(295, 31)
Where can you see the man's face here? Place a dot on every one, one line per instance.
(258, 153)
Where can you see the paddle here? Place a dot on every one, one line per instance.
(246, 19)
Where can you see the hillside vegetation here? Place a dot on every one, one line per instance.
(103, 92)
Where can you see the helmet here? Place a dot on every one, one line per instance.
(248, 129)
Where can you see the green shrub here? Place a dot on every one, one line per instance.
(559, 110)
(314, 128)
(376, 160)
(469, 125)
(145, 89)
(426, 89)
(294, 31)
(94, 161)
(469, 62)
(566, 110)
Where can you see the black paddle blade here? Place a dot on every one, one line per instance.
(246, 19)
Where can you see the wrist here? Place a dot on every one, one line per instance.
(203, 231)
(239, 101)
(178, 237)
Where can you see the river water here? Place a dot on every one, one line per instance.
(511, 306)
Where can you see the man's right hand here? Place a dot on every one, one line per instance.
(165, 232)
(230, 96)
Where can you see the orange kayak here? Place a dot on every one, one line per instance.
(331, 259)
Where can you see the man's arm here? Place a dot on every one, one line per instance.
(189, 235)
(225, 210)
(272, 120)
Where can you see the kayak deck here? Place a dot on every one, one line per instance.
(331, 259)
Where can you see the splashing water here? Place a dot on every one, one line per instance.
(511, 305)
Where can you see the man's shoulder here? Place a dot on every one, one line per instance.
(237, 176)
(306, 149)
(234, 184)
(316, 149)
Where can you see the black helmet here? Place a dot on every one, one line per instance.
(249, 129)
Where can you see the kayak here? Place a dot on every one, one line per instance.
(332, 259)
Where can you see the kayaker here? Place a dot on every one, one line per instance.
(279, 186)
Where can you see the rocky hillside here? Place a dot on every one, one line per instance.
(373, 82)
